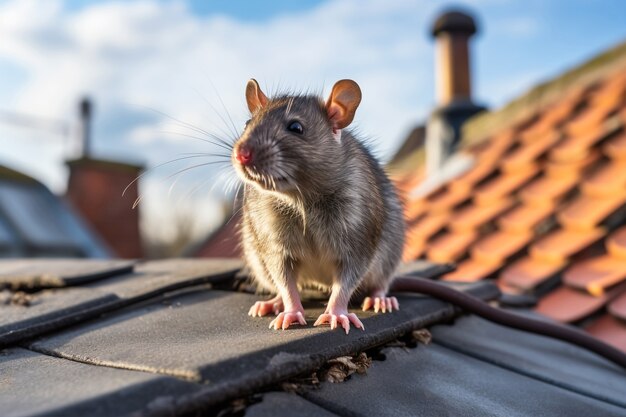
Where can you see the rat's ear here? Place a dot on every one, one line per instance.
(254, 96)
(342, 103)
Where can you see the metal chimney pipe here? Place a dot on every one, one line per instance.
(452, 32)
(85, 109)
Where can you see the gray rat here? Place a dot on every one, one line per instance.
(318, 209)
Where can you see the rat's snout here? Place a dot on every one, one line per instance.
(243, 155)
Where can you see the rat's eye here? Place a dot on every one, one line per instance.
(246, 124)
(295, 127)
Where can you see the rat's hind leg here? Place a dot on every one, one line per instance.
(380, 302)
(337, 311)
(294, 312)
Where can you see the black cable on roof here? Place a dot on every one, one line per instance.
(480, 308)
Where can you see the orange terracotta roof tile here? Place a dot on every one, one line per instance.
(528, 273)
(494, 148)
(473, 216)
(547, 189)
(550, 118)
(617, 307)
(474, 175)
(447, 198)
(616, 243)
(608, 96)
(590, 119)
(561, 244)
(595, 275)
(527, 154)
(576, 147)
(503, 185)
(413, 249)
(610, 330)
(427, 225)
(569, 305)
(615, 147)
(471, 271)
(609, 179)
(525, 218)
(586, 212)
(498, 246)
(568, 168)
(414, 208)
(450, 247)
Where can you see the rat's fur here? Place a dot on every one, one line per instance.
(316, 210)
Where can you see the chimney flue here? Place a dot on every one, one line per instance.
(452, 32)
(85, 109)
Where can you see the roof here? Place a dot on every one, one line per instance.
(36, 223)
(172, 337)
(542, 210)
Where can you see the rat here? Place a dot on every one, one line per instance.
(318, 209)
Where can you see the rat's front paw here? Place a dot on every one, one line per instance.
(286, 318)
(340, 317)
(381, 303)
(261, 308)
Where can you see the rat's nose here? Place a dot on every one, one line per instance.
(244, 155)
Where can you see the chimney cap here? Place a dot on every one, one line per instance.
(454, 21)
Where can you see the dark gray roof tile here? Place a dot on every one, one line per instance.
(436, 381)
(36, 385)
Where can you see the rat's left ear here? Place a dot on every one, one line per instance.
(342, 103)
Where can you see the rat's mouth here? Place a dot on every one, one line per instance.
(266, 181)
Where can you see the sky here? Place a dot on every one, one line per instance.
(160, 72)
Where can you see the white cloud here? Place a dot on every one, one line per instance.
(133, 55)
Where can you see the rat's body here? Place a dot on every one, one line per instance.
(318, 210)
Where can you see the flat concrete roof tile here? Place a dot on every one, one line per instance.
(434, 380)
(41, 385)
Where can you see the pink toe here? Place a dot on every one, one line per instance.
(395, 303)
(388, 302)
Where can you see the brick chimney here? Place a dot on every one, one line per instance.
(452, 31)
(95, 189)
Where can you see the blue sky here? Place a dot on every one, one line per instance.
(140, 59)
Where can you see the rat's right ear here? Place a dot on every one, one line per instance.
(254, 96)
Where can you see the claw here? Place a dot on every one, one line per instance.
(262, 308)
(381, 303)
(285, 319)
(343, 319)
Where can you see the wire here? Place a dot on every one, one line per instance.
(480, 308)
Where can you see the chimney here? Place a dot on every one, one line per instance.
(95, 189)
(452, 31)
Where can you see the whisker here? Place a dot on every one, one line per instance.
(226, 146)
(149, 170)
(219, 97)
(194, 166)
(233, 132)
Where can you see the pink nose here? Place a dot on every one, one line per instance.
(244, 155)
